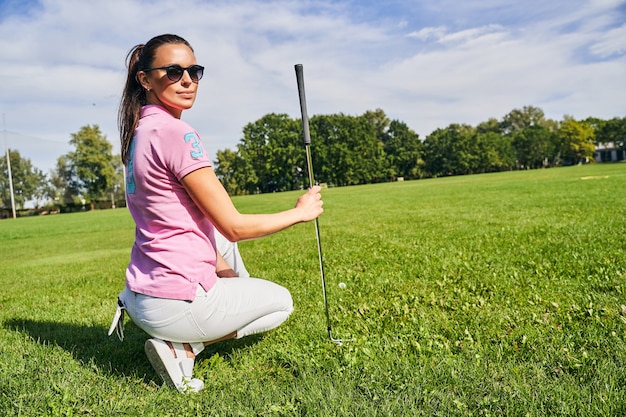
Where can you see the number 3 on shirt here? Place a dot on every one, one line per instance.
(197, 151)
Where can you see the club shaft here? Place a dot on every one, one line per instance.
(307, 142)
(319, 245)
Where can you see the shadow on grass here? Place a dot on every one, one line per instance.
(90, 345)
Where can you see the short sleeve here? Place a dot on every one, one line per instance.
(182, 150)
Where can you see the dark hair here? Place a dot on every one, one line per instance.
(139, 58)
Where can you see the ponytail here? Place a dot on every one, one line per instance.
(133, 98)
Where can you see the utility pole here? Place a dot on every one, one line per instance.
(9, 166)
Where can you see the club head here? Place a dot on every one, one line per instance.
(338, 342)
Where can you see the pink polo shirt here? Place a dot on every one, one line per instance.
(174, 248)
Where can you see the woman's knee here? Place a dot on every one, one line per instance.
(286, 300)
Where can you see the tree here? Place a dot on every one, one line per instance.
(450, 151)
(28, 181)
(347, 150)
(272, 149)
(490, 126)
(611, 131)
(403, 150)
(535, 146)
(495, 152)
(65, 190)
(89, 170)
(401, 146)
(378, 119)
(117, 188)
(235, 174)
(576, 141)
(517, 119)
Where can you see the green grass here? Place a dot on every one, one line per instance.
(485, 295)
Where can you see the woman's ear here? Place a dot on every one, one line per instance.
(143, 80)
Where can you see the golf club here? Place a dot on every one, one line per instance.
(307, 144)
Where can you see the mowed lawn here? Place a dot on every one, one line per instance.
(487, 295)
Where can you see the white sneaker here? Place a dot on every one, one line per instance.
(177, 370)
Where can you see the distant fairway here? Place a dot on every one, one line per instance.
(485, 295)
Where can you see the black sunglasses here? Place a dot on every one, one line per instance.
(175, 72)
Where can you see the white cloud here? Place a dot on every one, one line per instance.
(468, 35)
(428, 33)
(611, 43)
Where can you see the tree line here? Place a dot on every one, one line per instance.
(346, 150)
(90, 176)
(370, 148)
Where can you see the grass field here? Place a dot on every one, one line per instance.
(487, 295)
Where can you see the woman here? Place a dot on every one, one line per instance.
(175, 286)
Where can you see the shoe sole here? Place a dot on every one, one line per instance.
(153, 351)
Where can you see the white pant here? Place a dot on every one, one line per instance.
(244, 305)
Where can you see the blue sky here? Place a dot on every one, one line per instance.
(427, 63)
